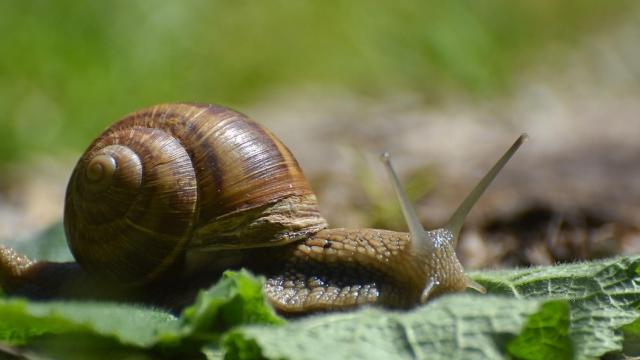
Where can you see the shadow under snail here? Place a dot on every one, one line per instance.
(175, 191)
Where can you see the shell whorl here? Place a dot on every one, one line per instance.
(179, 176)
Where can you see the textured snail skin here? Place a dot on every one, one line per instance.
(338, 269)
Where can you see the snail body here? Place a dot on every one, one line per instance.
(179, 187)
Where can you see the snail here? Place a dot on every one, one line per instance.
(175, 189)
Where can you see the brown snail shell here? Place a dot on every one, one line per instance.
(180, 176)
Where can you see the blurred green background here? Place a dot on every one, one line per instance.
(69, 68)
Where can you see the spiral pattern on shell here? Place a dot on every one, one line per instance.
(181, 176)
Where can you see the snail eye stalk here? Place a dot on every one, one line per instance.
(415, 227)
(457, 219)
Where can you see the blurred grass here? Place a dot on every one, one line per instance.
(70, 68)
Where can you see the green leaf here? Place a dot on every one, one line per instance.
(240, 348)
(460, 326)
(546, 335)
(604, 296)
(86, 328)
(235, 300)
(632, 338)
(128, 324)
(566, 311)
